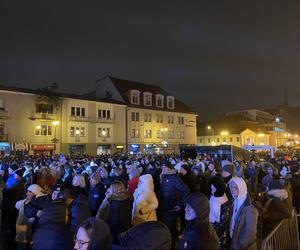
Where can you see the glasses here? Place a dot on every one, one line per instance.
(80, 243)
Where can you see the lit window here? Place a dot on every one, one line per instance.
(147, 99)
(170, 102)
(159, 101)
(135, 97)
(43, 130)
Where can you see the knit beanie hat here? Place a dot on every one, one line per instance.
(34, 188)
(228, 168)
(20, 172)
(200, 204)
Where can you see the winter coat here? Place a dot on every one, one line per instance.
(96, 196)
(150, 235)
(53, 230)
(13, 194)
(199, 235)
(173, 192)
(79, 211)
(116, 212)
(244, 234)
(145, 201)
(37, 203)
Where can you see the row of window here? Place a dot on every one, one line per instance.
(147, 99)
(218, 140)
(135, 117)
(80, 112)
(135, 133)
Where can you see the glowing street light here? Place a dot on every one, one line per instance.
(224, 133)
(55, 123)
(38, 127)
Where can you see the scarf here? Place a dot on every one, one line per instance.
(215, 207)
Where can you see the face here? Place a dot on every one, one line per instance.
(75, 182)
(270, 171)
(82, 239)
(225, 174)
(189, 213)
(213, 189)
(54, 195)
(182, 171)
(93, 182)
(109, 192)
(234, 190)
(29, 195)
(211, 167)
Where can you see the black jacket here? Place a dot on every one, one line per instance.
(53, 230)
(13, 194)
(79, 211)
(150, 235)
(96, 196)
(198, 236)
(173, 192)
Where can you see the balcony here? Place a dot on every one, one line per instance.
(4, 137)
(4, 114)
(78, 118)
(43, 116)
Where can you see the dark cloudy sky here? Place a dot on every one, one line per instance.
(213, 55)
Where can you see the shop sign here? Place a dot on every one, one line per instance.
(43, 147)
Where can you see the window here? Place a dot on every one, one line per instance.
(103, 132)
(77, 131)
(171, 119)
(44, 108)
(238, 139)
(224, 139)
(160, 118)
(77, 111)
(218, 139)
(43, 130)
(181, 135)
(147, 99)
(135, 97)
(208, 140)
(230, 139)
(135, 117)
(159, 101)
(103, 113)
(135, 133)
(171, 135)
(170, 102)
(148, 133)
(159, 134)
(147, 117)
(180, 120)
(200, 140)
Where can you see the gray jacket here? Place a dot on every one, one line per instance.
(244, 234)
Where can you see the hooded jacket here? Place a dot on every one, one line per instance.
(244, 217)
(198, 233)
(145, 201)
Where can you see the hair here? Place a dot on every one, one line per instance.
(88, 227)
(117, 187)
(219, 184)
(81, 180)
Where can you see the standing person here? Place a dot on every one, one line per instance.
(115, 210)
(243, 222)
(145, 201)
(133, 182)
(93, 234)
(199, 180)
(198, 233)
(270, 172)
(96, 193)
(12, 194)
(219, 215)
(173, 192)
(227, 173)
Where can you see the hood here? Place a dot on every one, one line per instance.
(146, 182)
(200, 204)
(120, 196)
(241, 186)
(282, 194)
(100, 238)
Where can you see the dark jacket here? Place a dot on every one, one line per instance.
(96, 196)
(244, 234)
(36, 204)
(199, 236)
(150, 235)
(79, 211)
(13, 194)
(53, 230)
(173, 192)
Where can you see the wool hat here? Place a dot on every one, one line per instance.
(276, 184)
(34, 188)
(219, 184)
(200, 204)
(228, 168)
(20, 172)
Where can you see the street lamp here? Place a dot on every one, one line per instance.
(213, 135)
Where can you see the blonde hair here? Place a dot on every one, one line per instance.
(117, 187)
(81, 179)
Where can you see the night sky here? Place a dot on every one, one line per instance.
(216, 56)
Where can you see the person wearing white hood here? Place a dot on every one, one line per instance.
(244, 217)
(145, 201)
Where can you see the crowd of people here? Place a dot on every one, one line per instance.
(143, 201)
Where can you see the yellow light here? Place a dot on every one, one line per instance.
(224, 133)
(55, 123)
(209, 127)
(38, 127)
(296, 135)
(261, 135)
(77, 132)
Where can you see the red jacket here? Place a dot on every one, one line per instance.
(132, 185)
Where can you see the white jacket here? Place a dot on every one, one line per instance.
(145, 201)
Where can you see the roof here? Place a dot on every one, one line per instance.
(123, 86)
(58, 94)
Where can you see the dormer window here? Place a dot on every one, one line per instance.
(135, 97)
(159, 101)
(147, 99)
(170, 102)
